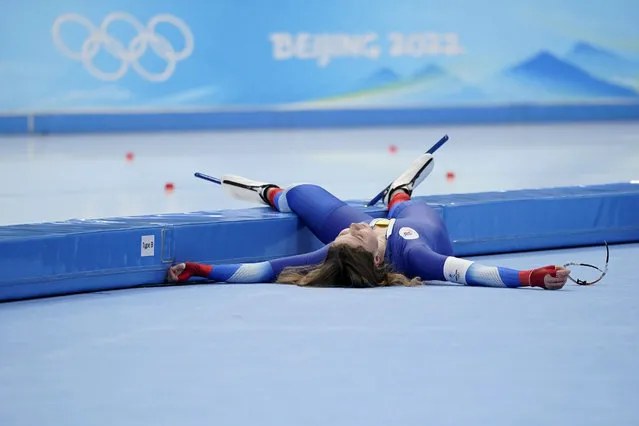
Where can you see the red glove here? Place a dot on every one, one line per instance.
(549, 277)
(183, 271)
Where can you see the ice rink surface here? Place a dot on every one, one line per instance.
(265, 354)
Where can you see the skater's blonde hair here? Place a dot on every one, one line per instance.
(345, 266)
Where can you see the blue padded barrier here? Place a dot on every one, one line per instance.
(14, 124)
(287, 119)
(89, 255)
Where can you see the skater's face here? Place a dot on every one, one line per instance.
(358, 235)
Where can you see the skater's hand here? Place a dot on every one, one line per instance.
(549, 277)
(174, 273)
(183, 271)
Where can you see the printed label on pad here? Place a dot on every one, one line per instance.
(148, 245)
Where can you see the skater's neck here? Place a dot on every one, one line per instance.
(381, 238)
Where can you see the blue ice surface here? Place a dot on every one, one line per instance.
(268, 354)
(86, 176)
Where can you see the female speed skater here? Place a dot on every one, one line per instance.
(407, 248)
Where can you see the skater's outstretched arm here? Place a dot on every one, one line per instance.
(257, 272)
(431, 266)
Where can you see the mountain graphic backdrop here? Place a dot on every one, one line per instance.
(382, 77)
(547, 78)
(604, 64)
(585, 74)
(430, 83)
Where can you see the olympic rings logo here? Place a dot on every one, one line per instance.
(129, 55)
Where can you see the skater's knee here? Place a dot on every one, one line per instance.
(305, 187)
(308, 193)
(308, 201)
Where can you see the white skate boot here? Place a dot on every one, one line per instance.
(412, 176)
(246, 189)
